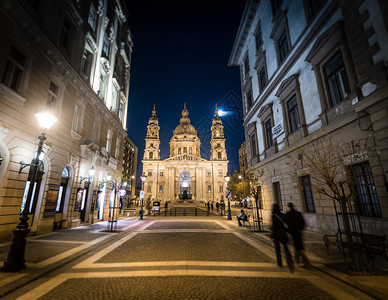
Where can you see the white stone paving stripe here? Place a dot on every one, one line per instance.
(184, 230)
(68, 253)
(159, 264)
(110, 248)
(57, 241)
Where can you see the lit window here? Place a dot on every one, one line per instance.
(109, 140)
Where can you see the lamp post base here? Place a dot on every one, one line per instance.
(141, 214)
(15, 261)
(229, 215)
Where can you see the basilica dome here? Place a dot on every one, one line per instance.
(185, 126)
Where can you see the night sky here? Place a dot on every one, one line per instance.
(181, 51)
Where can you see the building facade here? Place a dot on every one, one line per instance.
(316, 66)
(243, 158)
(129, 166)
(185, 175)
(73, 57)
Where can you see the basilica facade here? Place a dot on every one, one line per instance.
(185, 175)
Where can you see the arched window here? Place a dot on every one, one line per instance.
(151, 155)
(219, 155)
(62, 190)
(184, 149)
(179, 150)
(190, 150)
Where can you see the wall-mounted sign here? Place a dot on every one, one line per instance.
(277, 130)
(51, 201)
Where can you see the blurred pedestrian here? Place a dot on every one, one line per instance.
(212, 206)
(296, 224)
(279, 236)
(217, 206)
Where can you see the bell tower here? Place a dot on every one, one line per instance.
(217, 143)
(152, 151)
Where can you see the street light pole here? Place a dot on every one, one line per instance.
(227, 178)
(15, 260)
(143, 179)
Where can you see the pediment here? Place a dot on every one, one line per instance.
(186, 157)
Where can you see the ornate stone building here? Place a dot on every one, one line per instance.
(73, 56)
(185, 175)
(308, 67)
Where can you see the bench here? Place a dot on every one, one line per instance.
(373, 245)
(246, 220)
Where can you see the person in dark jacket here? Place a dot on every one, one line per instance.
(279, 236)
(296, 224)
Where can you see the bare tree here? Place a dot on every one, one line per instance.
(327, 162)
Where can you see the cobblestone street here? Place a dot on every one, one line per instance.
(178, 258)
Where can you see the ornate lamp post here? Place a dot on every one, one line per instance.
(15, 261)
(143, 179)
(228, 195)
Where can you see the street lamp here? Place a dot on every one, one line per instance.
(143, 179)
(91, 173)
(15, 261)
(227, 178)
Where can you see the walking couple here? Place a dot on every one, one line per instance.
(293, 223)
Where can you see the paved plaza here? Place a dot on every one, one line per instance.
(183, 257)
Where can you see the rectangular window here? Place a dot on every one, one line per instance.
(337, 79)
(121, 110)
(86, 63)
(367, 201)
(293, 114)
(149, 173)
(283, 46)
(117, 151)
(209, 189)
(92, 20)
(161, 189)
(277, 194)
(246, 67)
(308, 194)
(161, 174)
(268, 133)
(52, 94)
(208, 174)
(76, 117)
(14, 68)
(64, 38)
(221, 189)
(249, 99)
(109, 141)
(105, 46)
(258, 38)
(253, 145)
(219, 173)
(263, 78)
